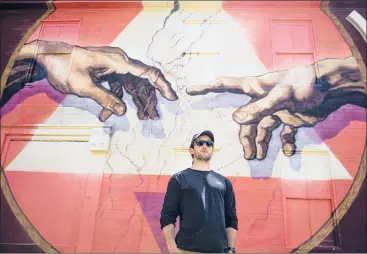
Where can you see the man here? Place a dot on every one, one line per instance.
(205, 202)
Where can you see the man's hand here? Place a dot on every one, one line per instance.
(172, 248)
(169, 235)
(294, 97)
(76, 70)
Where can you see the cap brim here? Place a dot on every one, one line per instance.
(207, 133)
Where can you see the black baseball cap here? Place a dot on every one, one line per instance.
(206, 132)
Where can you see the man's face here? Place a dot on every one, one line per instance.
(201, 150)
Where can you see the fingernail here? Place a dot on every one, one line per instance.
(119, 109)
(240, 117)
(289, 149)
(105, 114)
(261, 151)
(171, 95)
(142, 116)
(249, 155)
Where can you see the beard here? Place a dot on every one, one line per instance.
(202, 157)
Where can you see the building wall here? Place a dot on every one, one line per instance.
(80, 178)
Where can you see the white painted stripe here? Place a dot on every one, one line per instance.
(358, 22)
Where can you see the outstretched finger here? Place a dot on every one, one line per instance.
(116, 88)
(255, 86)
(108, 49)
(141, 70)
(264, 131)
(247, 139)
(278, 98)
(220, 85)
(288, 138)
(155, 77)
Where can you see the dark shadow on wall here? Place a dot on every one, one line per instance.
(13, 237)
(16, 18)
(341, 9)
(353, 227)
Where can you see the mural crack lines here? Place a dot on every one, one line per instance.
(110, 185)
(138, 169)
(127, 229)
(179, 39)
(267, 210)
(187, 51)
(166, 140)
(176, 7)
(229, 164)
(110, 200)
(134, 132)
(174, 35)
(187, 104)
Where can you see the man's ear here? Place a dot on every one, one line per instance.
(191, 151)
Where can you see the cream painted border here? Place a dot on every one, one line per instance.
(344, 206)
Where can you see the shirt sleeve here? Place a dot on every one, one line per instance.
(171, 204)
(230, 207)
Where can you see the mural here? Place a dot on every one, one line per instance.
(280, 88)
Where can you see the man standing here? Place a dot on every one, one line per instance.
(205, 202)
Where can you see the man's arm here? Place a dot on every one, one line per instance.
(169, 213)
(230, 215)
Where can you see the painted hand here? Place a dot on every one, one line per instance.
(76, 70)
(140, 89)
(294, 97)
(139, 80)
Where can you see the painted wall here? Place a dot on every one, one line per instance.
(290, 138)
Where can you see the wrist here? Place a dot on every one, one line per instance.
(342, 81)
(28, 50)
(341, 75)
(230, 249)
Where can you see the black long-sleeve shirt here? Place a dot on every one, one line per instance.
(205, 203)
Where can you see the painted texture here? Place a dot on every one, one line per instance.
(309, 151)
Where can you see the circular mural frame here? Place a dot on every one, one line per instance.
(306, 246)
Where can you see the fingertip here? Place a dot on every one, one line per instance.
(119, 108)
(240, 117)
(105, 114)
(249, 153)
(188, 90)
(248, 156)
(155, 118)
(172, 96)
(260, 155)
(289, 149)
(142, 116)
(196, 90)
